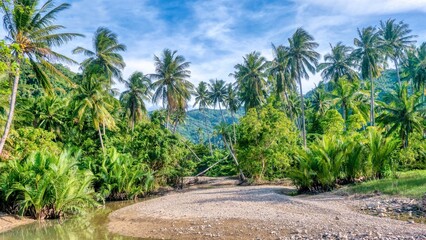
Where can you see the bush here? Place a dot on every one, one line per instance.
(45, 185)
(119, 176)
(266, 144)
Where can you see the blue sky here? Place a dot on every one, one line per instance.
(214, 34)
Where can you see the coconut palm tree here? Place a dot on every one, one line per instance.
(251, 80)
(369, 54)
(302, 59)
(337, 64)
(91, 102)
(202, 99)
(106, 53)
(217, 95)
(138, 90)
(170, 81)
(403, 112)
(414, 68)
(30, 25)
(279, 69)
(396, 39)
(233, 104)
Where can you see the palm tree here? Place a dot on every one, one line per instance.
(279, 69)
(106, 53)
(51, 113)
(233, 104)
(402, 112)
(251, 80)
(171, 85)
(91, 102)
(369, 54)
(138, 90)
(337, 64)
(30, 25)
(344, 95)
(217, 94)
(202, 99)
(396, 39)
(302, 59)
(414, 68)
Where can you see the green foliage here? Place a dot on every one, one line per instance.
(266, 144)
(26, 140)
(46, 185)
(332, 122)
(120, 176)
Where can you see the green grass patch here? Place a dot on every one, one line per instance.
(408, 184)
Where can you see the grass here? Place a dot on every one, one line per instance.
(410, 184)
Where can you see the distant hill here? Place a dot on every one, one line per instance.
(206, 122)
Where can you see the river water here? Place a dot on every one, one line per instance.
(91, 226)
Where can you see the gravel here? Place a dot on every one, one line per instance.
(256, 212)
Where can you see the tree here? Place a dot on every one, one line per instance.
(202, 99)
(337, 64)
(171, 85)
(92, 103)
(106, 54)
(402, 112)
(369, 54)
(132, 99)
(302, 59)
(414, 68)
(396, 39)
(217, 94)
(345, 95)
(279, 69)
(30, 25)
(251, 80)
(233, 104)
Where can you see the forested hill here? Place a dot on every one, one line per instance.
(202, 124)
(196, 121)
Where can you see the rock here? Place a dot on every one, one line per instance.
(410, 221)
(423, 203)
(337, 218)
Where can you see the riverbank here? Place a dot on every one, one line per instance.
(255, 212)
(8, 222)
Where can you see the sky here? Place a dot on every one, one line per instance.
(214, 35)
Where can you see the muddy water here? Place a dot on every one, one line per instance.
(91, 226)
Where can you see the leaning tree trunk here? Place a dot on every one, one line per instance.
(397, 71)
(100, 138)
(372, 102)
(11, 110)
(233, 126)
(302, 106)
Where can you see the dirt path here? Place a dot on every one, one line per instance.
(259, 212)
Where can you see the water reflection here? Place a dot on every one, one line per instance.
(90, 226)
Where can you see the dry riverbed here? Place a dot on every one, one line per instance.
(257, 212)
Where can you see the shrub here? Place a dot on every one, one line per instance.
(119, 176)
(45, 185)
(266, 144)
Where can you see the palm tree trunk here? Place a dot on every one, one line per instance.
(233, 126)
(302, 106)
(102, 141)
(397, 71)
(11, 109)
(372, 102)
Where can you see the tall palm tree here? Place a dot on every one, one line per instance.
(414, 68)
(251, 80)
(233, 104)
(279, 69)
(91, 102)
(202, 99)
(132, 99)
(345, 95)
(217, 94)
(369, 54)
(302, 59)
(403, 112)
(171, 85)
(396, 39)
(106, 53)
(29, 24)
(337, 64)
